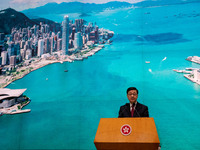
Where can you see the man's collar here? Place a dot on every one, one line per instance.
(133, 103)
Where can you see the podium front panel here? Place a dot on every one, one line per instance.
(143, 134)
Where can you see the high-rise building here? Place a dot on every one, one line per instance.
(46, 45)
(22, 53)
(84, 39)
(42, 29)
(65, 35)
(92, 36)
(16, 36)
(59, 44)
(52, 42)
(40, 47)
(4, 56)
(59, 34)
(10, 50)
(13, 61)
(79, 24)
(28, 54)
(55, 42)
(17, 48)
(0, 61)
(34, 29)
(46, 27)
(78, 41)
(29, 34)
(96, 32)
(73, 33)
(22, 44)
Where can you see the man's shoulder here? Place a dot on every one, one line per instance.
(141, 105)
(126, 105)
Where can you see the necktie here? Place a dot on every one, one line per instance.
(132, 111)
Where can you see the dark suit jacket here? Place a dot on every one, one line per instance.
(140, 111)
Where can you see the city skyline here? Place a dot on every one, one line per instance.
(24, 4)
(23, 48)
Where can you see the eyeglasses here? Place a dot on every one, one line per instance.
(134, 94)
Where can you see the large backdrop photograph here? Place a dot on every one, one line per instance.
(65, 64)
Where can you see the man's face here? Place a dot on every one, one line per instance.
(132, 96)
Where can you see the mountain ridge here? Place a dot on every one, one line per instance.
(86, 8)
(74, 7)
(10, 18)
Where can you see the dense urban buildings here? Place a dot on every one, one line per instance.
(39, 41)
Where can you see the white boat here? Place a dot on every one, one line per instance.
(164, 58)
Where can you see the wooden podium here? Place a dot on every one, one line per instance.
(143, 134)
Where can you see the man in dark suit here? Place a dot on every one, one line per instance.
(133, 109)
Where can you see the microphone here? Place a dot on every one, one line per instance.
(137, 112)
(135, 104)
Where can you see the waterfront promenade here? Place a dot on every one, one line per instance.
(193, 74)
(37, 63)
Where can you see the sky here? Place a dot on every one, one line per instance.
(20, 5)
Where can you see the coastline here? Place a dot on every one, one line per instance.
(38, 63)
(188, 76)
(16, 109)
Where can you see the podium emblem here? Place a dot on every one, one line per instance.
(126, 129)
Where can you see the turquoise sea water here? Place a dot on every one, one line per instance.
(66, 108)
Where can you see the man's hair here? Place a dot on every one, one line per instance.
(131, 88)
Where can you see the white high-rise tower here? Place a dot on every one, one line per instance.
(78, 41)
(65, 35)
(40, 47)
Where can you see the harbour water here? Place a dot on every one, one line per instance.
(66, 108)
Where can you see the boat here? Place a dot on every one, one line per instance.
(164, 58)
(65, 70)
(147, 62)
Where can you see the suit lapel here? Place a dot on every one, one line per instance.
(136, 112)
(128, 109)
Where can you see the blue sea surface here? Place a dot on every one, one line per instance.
(66, 108)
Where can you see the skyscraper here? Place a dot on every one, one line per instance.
(78, 41)
(65, 35)
(73, 33)
(59, 44)
(13, 61)
(40, 47)
(4, 56)
(52, 42)
(46, 45)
